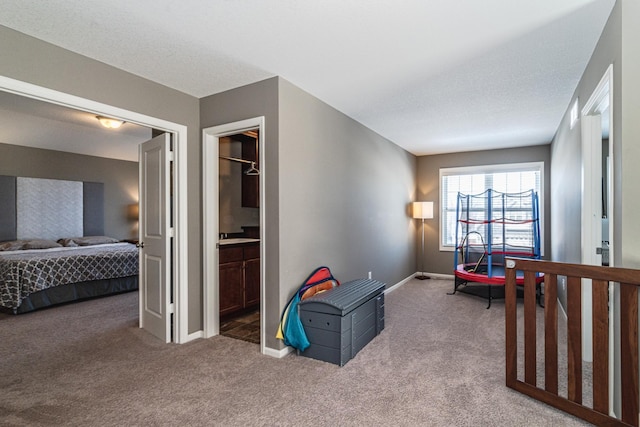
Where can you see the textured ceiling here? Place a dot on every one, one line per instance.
(29, 122)
(432, 76)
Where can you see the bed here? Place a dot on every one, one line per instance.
(41, 263)
(35, 278)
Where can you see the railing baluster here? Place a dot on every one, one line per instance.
(574, 338)
(600, 291)
(600, 276)
(511, 328)
(530, 328)
(551, 333)
(629, 352)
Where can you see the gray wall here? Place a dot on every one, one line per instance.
(627, 229)
(33, 61)
(566, 153)
(336, 192)
(344, 195)
(255, 100)
(437, 261)
(618, 45)
(120, 179)
(628, 145)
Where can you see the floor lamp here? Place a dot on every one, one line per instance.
(422, 210)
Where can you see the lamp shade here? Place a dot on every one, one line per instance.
(133, 211)
(422, 210)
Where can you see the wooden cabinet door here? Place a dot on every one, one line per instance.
(250, 183)
(231, 287)
(252, 282)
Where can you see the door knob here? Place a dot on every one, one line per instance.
(140, 245)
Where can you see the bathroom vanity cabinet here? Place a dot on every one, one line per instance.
(239, 276)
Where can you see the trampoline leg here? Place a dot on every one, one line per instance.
(539, 295)
(457, 282)
(490, 297)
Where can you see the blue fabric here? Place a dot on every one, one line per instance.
(294, 334)
(290, 329)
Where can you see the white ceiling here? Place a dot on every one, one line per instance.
(29, 122)
(432, 76)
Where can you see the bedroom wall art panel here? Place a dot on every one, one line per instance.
(93, 208)
(8, 208)
(119, 179)
(48, 208)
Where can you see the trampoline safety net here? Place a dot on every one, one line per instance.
(493, 225)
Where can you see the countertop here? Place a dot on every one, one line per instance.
(237, 241)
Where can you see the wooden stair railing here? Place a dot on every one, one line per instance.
(601, 276)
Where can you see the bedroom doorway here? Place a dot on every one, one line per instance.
(179, 245)
(234, 242)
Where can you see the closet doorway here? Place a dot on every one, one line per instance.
(239, 236)
(233, 223)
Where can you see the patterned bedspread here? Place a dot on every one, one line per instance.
(25, 272)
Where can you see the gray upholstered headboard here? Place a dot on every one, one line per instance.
(50, 208)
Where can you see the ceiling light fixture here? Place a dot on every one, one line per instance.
(110, 123)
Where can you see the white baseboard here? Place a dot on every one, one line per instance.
(397, 285)
(432, 275)
(283, 352)
(440, 276)
(193, 336)
(278, 354)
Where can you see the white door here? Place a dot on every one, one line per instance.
(591, 218)
(155, 237)
(592, 190)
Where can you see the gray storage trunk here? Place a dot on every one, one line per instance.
(341, 321)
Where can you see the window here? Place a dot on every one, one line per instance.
(510, 178)
(574, 114)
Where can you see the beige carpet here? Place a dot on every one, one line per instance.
(439, 362)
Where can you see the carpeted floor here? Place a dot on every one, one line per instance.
(439, 362)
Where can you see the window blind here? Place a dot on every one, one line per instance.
(512, 178)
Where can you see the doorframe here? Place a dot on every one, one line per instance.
(599, 101)
(180, 259)
(210, 220)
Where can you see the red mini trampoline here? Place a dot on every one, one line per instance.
(492, 226)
